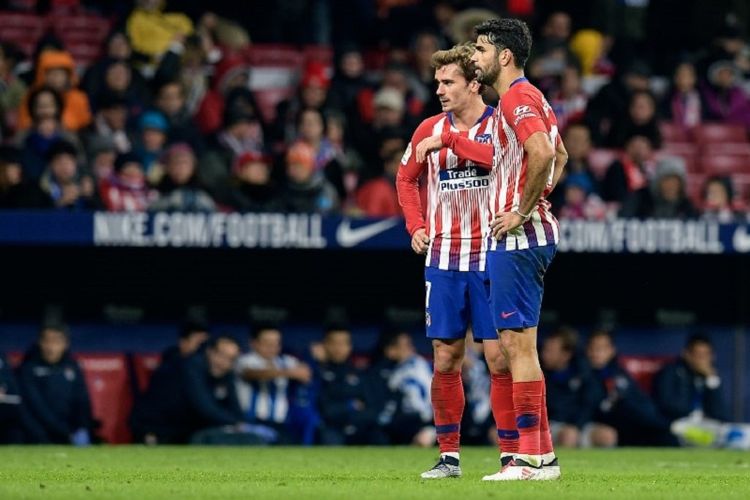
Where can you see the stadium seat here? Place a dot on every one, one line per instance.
(643, 368)
(22, 30)
(601, 159)
(672, 133)
(719, 132)
(144, 365)
(727, 148)
(111, 398)
(275, 55)
(320, 53)
(725, 164)
(685, 150)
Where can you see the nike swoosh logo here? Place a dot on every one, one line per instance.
(505, 315)
(348, 237)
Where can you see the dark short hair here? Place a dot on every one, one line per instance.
(215, 341)
(56, 326)
(190, 327)
(508, 33)
(34, 96)
(567, 335)
(695, 339)
(258, 328)
(601, 332)
(61, 147)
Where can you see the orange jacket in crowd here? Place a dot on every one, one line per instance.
(76, 111)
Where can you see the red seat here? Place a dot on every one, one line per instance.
(601, 159)
(144, 365)
(111, 398)
(719, 132)
(275, 55)
(643, 368)
(741, 184)
(672, 133)
(725, 164)
(727, 148)
(320, 53)
(685, 150)
(92, 24)
(19, 20)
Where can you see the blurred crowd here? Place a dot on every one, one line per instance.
(181, 112)
(212, 389)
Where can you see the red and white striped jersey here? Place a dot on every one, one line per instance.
(457, 218)
(522, 111)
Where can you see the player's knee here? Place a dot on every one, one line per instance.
(604, 436)
(568, 437)
(448, 359)
(497, 362)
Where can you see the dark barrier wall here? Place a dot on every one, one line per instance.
(581, 288)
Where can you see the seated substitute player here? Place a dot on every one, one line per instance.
(528, 157)
(453, 236)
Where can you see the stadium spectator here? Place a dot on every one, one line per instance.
(624, 415)
(610, 104)
(231, 72)
(209, 384)
(389, 115)
(307, 191)
(54, 391)
(15, 190)
(717, 198)
(11, 428)
(313, 94)
(180, 189)
(123, 82)
(349, 414)
(171, 102)
(690, 386)
(569, 101)
(425, 44)
(264, 380)
(101, 154)
(116, 48)
(152, 31)
(405, 377)
(186, 61)
(64, 182)
(568, 381)
(126, 190)
(110, 120)
(242, 133)
(13, 89)
(580, 200)
(45, 108)
(159, 414)
(665, 196)
(577, 140)
(640, 120)
(377, 197)
(56, 70)
(726, 100)
(630, 172)
(311, 129)
(348, 158)
(150, 144)
(348, 81)
(683, 106)
(550, 54)
(252, 187)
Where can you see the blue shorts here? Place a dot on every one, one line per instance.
(455, 299)
(517, 285)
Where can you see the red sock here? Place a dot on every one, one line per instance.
(448, 406)
(501, 398)
(527, 400)
(545, 437)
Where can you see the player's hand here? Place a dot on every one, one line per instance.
(504, 222)
(420, 241)
(427, 146)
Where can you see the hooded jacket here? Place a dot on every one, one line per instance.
(76, 112)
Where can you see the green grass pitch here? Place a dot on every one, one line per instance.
(357, 473)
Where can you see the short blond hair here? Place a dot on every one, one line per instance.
(460, 55)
